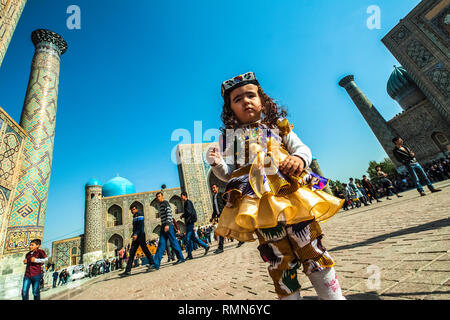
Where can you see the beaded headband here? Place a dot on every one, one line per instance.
(238, 81)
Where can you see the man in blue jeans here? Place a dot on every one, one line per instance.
(190, 217)
(167, 232)
(407, 157)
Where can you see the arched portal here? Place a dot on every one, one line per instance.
(155, 204)
(115, 242)
(178, 203)
(441, 141)
(114, 217)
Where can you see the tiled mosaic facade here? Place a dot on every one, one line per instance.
(38, 120)
(421, 43)
(67, 252)
(10, 12)
(425, 50)
(12, 141)
(196, 177)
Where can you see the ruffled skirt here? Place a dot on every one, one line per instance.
(256, 201)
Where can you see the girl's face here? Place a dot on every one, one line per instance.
(246, 104)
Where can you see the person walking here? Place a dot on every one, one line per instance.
(405, 156)
(166, 233)
(190, 217)
(387, 184)
(55, 278)
(138, 237)
(370, 190)
(358, 192)
(218, 205)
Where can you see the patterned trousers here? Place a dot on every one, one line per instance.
(286, 247)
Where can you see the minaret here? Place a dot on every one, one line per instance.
(27, 216)
(38, 120)
(93, 222)
(374, 119)
(10, 12)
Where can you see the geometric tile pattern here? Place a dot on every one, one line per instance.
(195, 177)
(38, 120)
(11, 10)
(419, 54)
(401, 34)
(62, 252)
(9, 152)
(440, 78)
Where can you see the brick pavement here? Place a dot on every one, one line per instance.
(407, 240)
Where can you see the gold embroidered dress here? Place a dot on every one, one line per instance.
(259, 196)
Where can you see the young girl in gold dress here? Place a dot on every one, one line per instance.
(270, 191)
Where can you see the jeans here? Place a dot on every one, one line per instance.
(191, 239)
(413, 168)
(35, 283)
(163, 237)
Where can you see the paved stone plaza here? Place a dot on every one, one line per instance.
(406, 239)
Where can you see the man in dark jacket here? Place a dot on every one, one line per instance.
(138, 237)
(407, 158)
(370, 190)
(190, 217)
(218, 205)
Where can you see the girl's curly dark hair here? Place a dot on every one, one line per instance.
(271, 112)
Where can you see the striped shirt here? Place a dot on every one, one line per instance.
(165, 213)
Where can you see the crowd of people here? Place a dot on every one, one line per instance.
(363, 191)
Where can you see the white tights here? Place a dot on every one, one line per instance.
(325, 283)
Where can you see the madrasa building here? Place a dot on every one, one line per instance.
(108, 221)
(421, 85)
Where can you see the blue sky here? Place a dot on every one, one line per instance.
(138, 70)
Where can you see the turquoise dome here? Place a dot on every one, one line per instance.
(117, 186)
(93, 182)
(399, 82)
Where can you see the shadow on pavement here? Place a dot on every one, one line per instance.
(424, 227)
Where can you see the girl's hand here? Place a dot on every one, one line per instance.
(213, 156)
(292, 166)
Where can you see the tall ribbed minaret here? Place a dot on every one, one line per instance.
(374, 119)
(38, 120)
(27, 217)
(10, 12)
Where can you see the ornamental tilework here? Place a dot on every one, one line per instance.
(11, 11)
(442, 23)
(9, 152)
(38, 119)
(419, 54)
(440, 78)
(63, 252)
(401, 34)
